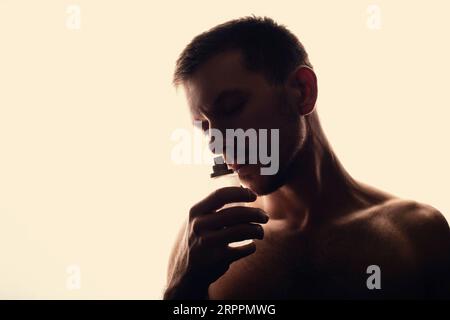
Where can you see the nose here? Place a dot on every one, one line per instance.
(216, 137)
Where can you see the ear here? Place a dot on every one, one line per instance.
(304, 82)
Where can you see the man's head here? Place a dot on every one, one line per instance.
(251, 73)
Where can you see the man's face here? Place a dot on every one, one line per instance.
(224, 95)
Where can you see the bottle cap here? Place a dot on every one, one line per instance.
(220, 168)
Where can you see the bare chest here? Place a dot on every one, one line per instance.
(281, 268)
(331, 263)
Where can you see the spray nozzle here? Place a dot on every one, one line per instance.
(220, 168)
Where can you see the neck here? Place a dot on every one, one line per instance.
(318, 187)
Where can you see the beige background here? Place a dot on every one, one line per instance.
(86, 116)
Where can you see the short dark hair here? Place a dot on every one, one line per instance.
(267, 47)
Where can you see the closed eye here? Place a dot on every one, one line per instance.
(234, 108)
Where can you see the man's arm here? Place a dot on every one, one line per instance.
(431, 235)
(437, 251)
(175, 250)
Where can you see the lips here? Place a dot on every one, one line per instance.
(241, 169)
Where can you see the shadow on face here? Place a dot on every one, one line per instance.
(223, 94)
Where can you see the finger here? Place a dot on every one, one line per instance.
(219, 198)
(232, 216)
(236, 233)
(240, 252)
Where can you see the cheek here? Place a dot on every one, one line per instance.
(272, 112)
(290, 132)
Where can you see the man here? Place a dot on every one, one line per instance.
(318, 233)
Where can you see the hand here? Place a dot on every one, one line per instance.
(204, 255)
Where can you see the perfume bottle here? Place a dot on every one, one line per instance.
(222, 176)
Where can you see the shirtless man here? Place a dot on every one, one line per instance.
(316, 230)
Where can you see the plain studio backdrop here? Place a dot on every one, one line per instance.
(90, 198)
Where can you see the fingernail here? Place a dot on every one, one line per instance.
(251, 194)
(264, 215)
(261, 231)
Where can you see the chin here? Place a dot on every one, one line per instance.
(261, 185)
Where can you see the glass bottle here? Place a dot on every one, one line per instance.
(222, 176)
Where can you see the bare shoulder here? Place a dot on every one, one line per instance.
(410, 239)
(412, 220)
(421, 224)
(424, 228)
(413, 211)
